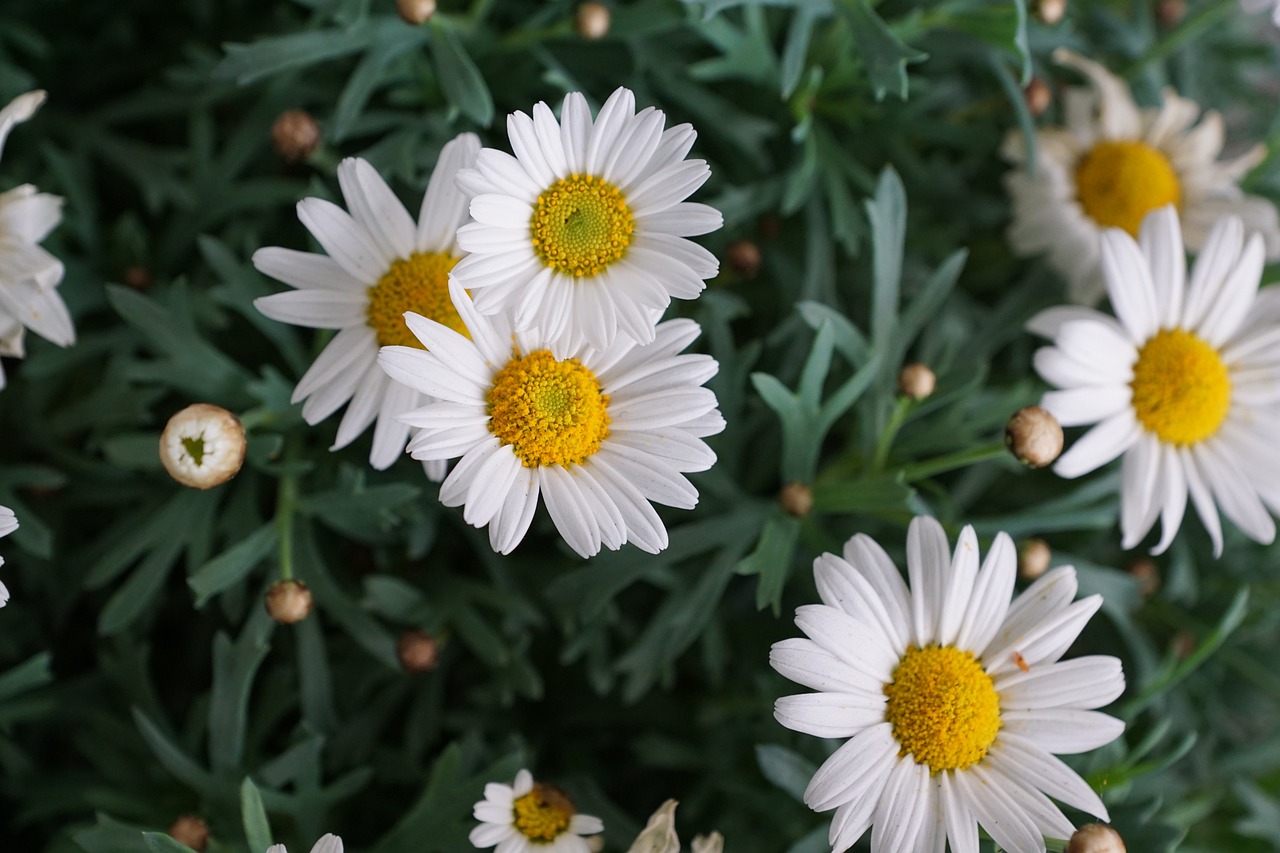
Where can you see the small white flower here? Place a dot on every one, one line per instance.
(1184, 381)
(328, 844)
(8, 524)
(1114, 163)
(598, 434)
(953, 698)
(581, 233)
(29, 275)
(202, 446)
(531, 817)
(379, 265)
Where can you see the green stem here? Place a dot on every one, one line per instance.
(286, 505)
(1190, 28)
(884, 443)
(963, 459)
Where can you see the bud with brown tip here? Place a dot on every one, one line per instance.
(1033, 436)
(418, 651)
(202, 446)
(295, 135)
(1095, 838)
(1171, 12)
(137, 276)
(191, 831)
(917, 381)
(416, 11)
(593, 20)
(1051, 11)
(1033, 558)
(1145, 571)
(289, 602)
(796, 499)
(1038, 96)
(744, 257)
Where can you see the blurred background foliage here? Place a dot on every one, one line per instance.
(142, 679)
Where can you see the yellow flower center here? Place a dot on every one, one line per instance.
(943, 707)
(551, 412)
(581, 224)
(418, 283)
(543, 814)
(1181, 389)
(1119, 183)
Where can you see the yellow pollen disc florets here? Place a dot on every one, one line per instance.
(943, 707)
(543, 814)
(418, 283)
(551, 412)
(1119, 183)
(1181, 389)
(580, 225)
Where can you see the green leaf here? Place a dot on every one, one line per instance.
(137, 593)
(246, 63)
(234, 667)
(177, 762)
(459, 78)
(257, 829)
(875, 495)
(28, 675)
(999, 23)
(888, 215)
(787, 769)
(158, 842)
(232, 565)
(771, 560)
(885, 56)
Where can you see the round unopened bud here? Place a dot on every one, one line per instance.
(592, 20)
(418, 651)
(1038, 96)
(1033, 558)
(796, 499)
(917, 381)
(289, 602)
(1095, 838)
(1171, 12)
(1051, 11)
(416, 11)
(1145, 571)
(191, 831)
(138, 277)
(1033, 436)
(202, 446)
(295, 134)
(744, 256)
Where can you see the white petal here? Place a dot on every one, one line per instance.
(1064, 731)
(305, 270)
(316, 309)
(1099, 446)
(1161, 242)
(344, 239)
(444, 205)
(375, 206)
(989, 603)
(927, 559)
(1129, 284)
(829, 715)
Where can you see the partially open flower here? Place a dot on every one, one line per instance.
(713, 843)
(191, 831)
(1034, 436)
(289, 602)
(202, 446)
(1096, 838)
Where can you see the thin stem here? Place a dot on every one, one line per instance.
(963, 459)
(1191, 27)
(884, 443)
(286, 504)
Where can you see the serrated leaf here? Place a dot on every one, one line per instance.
(884, 55)
(771, 560)
(257, 828)
(459, 78)
(231, 566)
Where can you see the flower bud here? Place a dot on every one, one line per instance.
(744, 256)
(592, 20)
(1033, 558)
(659, 835)
(1033, 436)
(1038, 96)
(1145, 571)
(295, 135)
(713, 843)
(796, 499)
(1095, 838)
(202, 446)
(288, 602)
(191, 831)
(1171, 12)
(1051, 11)
(418, 651)
(416, 11)
(138, 277)
(917, 381)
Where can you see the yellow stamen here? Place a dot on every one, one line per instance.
(418, 283)
(581, 224)
(943, 707)
(1119, 183)
(543, 814)
(551, 412)
(1181, 389)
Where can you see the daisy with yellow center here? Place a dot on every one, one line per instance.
(1112, 164)
(1184, 381)
(531, 816)
(581, 233)
(598, 434)
(380, 264)
(953, 698)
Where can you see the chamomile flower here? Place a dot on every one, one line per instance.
(531, 816)
(380, 264)
(328, 844)
(598, 433)
(952, 697)
(8, 524)
(581, 233)
(1114, 163)
(1184, 381)
(29, 276)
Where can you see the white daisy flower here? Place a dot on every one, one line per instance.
(1113, 164)
(379, 265)
(1184, 381)
(8, 524)
(599, 434)
(328, 844)
(29, 275)
(531, 816)
(952, 697)
(581, 233)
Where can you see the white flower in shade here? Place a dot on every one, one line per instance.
(327, 844)
(1113, 164)
(1273, 6)
(379, 265)
(8, 524)
(29, 276)
(203, 446)
(598, 434)
(581, 233)
(1184, 381)
(953, 698)
(531, 816)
